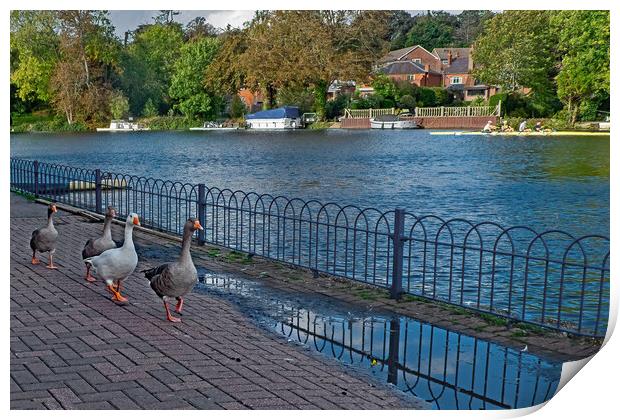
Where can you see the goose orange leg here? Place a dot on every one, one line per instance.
(179, 306)
(51, 265)
(116, 296)
(168, 315)
(117, 293)
(35, 260)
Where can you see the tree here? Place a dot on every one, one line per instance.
(470, 25)
(516, 50)
(385, 87)
(187, 86)
(433, 30)
(583, 81)
(312, 48)
(150, 110)
(399, 25)
(119, 105)
(35, 50)
(226, 73)
(148, 65)
(237, 107)
(199, 27)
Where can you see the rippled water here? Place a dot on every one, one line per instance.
(545, 183)
(447, 369)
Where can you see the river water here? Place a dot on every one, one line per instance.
(545, 183)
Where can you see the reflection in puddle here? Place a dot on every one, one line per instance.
(445, 368)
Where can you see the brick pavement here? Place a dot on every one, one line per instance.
(73, 348)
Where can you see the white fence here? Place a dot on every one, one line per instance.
(439, 111)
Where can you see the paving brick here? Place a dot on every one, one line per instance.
(73, 348)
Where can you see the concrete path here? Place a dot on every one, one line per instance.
(73, 348)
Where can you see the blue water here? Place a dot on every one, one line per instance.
(545, 183)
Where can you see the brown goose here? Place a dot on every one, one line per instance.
(178, 278)
(44, 239)
(97, 245)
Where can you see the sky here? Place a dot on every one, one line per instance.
(125, 20)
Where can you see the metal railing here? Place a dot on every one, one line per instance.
(549, 279)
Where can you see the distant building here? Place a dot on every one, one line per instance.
(252, 100)
(450, 68)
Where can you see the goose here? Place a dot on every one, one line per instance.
(116, 264)
(96, 246)
(44, 239)
(178, 278)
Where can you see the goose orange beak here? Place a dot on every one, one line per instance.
(136, 221)
(197, 225)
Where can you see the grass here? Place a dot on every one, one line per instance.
(238, 257)
(28, 196)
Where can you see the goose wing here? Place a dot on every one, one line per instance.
(161, 279)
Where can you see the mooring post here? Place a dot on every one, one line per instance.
(201, 213)
(398, 242)
(98, 201)
(36, 178)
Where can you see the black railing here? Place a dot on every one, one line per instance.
(550, 279)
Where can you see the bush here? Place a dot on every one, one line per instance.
(407, 101)
(150, 110)
(170, 123)
(426, 97)
(334, 108)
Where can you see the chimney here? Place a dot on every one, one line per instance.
(427, 68)
(470, 60)
(449, 57)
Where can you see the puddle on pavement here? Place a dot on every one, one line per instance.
(445, 368)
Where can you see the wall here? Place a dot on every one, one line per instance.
(475, 123)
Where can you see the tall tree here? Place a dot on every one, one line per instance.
(35, 50)
(226, 73)
(516, 50)
(199, 27)
(583, 80)
(470, 25)
(148, 65)
(400, 24)
(187, 80)
(435, 29)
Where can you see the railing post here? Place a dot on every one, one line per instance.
(98, 201)
(201, 213)
(398, 242)
(36, 178)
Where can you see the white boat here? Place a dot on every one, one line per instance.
(287, 117)
(390, 122)
(124, 126)
(209, 126)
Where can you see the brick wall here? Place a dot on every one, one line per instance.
(475, 123)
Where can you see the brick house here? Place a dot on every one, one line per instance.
(443, 67)
(252, 100)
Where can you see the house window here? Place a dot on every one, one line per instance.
(475, 92)
(444, 62)
(410, 77)
(456, 80)
(417, 60)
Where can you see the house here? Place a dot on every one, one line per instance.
(340, 87)
(252, 100)
(450, 68)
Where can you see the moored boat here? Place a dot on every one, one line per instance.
(287, 117)
(124, 126)
(390, 122)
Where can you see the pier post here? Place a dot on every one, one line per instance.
(35, 167)
(98, 201)
(201, 213)
(398, 243)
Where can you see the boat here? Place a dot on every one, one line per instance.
(520, 134)
(210, 125)
(124, 126)
(286, 117)
(391, 121)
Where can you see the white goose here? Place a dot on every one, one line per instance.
(115, 265)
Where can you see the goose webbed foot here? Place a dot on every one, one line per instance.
(116, 296)
(35, 261)
(89, 277)
(168, 314)
(51, 265)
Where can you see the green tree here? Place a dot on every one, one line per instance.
(187, 83)
(433, 30)
(150, 110)
(516, 50)
(119, 105)
(583, 81)
(237, 107)
(400, 24)
(35, 50)
(470, 25)
(148, 64)
(385, 87)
